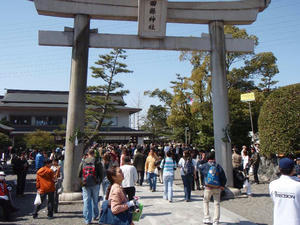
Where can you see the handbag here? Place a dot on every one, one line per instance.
(136, 215)
(107, 217)
(37, 200)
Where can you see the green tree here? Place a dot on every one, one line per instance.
(4, 141)
(264, 66)
(156, 122)
(164, 96)
(39, 139)
(180, 114)
(241, 78)
(102, 99)
(278, 121)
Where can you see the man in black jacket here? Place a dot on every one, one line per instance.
(139, 160)
(21, 168)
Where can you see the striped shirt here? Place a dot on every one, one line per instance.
(168, 166)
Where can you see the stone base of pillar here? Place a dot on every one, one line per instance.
(70, 197)
(231, 193)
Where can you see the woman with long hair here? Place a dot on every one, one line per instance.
(115, 194)
(107, 164)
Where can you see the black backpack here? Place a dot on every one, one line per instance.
(188, 167)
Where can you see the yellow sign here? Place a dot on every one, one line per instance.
(248, 97)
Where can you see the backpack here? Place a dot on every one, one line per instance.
(89, 174)
(213, 177)
(188, 167)
(238, 179)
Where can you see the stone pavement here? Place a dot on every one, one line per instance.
(156, 209)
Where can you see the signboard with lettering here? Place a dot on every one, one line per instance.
(152, 18)
(248, 97)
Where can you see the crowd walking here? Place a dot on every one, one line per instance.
(119, 169)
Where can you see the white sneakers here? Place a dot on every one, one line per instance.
(206, 221)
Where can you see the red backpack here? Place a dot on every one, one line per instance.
(89, 174)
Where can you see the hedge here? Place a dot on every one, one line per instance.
(279, 121)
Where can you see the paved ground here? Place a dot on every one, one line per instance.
(157, 211)
(258, 209)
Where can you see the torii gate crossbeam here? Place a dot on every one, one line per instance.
(216, 14)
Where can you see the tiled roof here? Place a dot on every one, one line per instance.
(38, 96)
(47, 99)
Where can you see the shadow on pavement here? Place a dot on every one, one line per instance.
(250, 223)
(155, 214)
(260, 195)
(151, 197)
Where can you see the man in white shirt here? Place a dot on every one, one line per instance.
(285, 193)
(130, 178)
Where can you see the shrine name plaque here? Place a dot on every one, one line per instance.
(152, 18)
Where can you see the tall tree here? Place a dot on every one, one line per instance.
(264, 66)
(102, 99)
(156, 122)
(181, 117)
(242, 70)
(4, 142)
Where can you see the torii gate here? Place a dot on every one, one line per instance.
(152, 16)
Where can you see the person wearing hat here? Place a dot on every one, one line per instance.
(285, 193)
(5, 203)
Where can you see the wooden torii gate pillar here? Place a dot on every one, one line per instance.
(152, 16)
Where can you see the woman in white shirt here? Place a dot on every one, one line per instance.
(246, 163)
(187, 170)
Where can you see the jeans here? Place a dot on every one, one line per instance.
(255, 170)
(160, 173)
(90, 202)
(216, 193)
(152, 180)
(105, 184)
(187, 183)
(140, 177)
(50, 204)
(168, 187)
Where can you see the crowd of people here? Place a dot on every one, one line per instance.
(117, 169)
(121, 168)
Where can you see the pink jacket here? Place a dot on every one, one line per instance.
(118, 200)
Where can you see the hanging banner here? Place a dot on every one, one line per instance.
(152, 18)
(248, 97)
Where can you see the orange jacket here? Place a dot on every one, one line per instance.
(45, 180)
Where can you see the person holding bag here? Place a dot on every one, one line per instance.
(45, 185)
(116, 209)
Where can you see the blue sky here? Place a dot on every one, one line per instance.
(26, 65)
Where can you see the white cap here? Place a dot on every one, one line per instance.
(2, 173)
